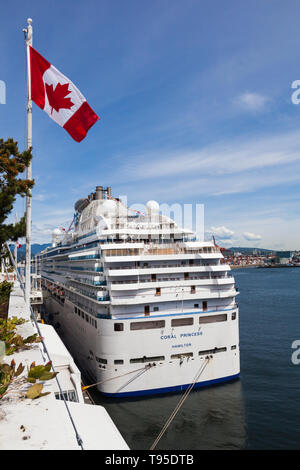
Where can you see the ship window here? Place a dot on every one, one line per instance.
(102, 361)
(213, 318)
(179, 356)
(158, 291)
(119, 327)
(196, 305)
(155, 309)
(193, 290)
(118, 361)
(204, 305)
(212, 351)
(147, 325)
(147, 359)
(233, 347)
(182, 321)
(233, 316)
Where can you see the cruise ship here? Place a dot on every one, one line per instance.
(142, 305)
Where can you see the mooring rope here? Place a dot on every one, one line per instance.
(143, 369)
(180, 403)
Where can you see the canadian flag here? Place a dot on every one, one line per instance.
(59, 97)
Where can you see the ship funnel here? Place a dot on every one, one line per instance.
(99, 193)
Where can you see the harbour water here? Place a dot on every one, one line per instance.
(261, 410)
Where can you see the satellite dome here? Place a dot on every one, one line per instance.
(152, 207)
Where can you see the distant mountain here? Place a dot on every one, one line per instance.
(35, 248)
(247, 250)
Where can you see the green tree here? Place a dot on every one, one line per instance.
(12, 164)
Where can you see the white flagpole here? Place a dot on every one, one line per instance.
(15, 248)
(29, 169)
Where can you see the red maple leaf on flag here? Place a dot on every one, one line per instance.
(57, 97)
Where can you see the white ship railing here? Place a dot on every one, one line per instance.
(226, 266)
(193, 278)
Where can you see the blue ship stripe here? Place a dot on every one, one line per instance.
(177, 388)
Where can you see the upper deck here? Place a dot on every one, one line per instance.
(115, 260)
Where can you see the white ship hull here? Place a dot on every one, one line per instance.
(209, 352)
(142, 305)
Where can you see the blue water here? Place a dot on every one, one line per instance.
(269, 323)
(261, 410)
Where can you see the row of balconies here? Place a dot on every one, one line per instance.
(157, 250)
(173, 296)
(160, 256)
(84, 257)
(164, 269)
(208, 308)
(92, 268)
(89, 282)
(100, 296)
(168, 282)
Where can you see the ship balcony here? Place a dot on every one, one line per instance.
(171, 282)
(204, 294)
(176, 311)
(161, 255)
(164, 269)
(92, 268)
(84, 258)
(88, 282)
(100, 296)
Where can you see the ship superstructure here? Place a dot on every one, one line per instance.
(143, 306)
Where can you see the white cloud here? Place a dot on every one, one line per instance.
(252, 101)
(217, 160)
(39, 197)
(221, 233)
(251, 236)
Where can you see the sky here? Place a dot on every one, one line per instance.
(196, 106)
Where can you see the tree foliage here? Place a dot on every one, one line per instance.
(12, 164)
